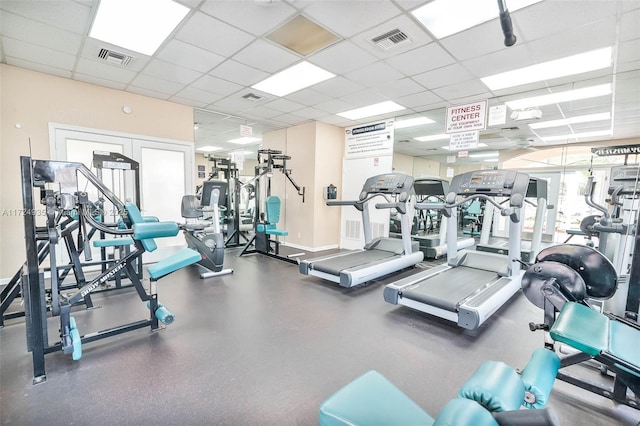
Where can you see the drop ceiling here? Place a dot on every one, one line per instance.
(221, 49)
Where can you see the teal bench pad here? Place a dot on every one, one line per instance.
(148, 230)
(113, 242)
(371, 400)
(582, 328)
(184, 257)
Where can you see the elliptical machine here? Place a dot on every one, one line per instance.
(202, 229)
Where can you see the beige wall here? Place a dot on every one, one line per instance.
(403, 163)
(316, 151)
(34, 100)
(426, 168)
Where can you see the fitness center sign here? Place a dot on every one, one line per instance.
(369, 140)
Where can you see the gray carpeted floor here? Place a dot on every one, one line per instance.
(264, 346)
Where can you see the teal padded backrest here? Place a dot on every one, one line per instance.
(474, 208)
(581, 328)
(136, 217)
(273, 209)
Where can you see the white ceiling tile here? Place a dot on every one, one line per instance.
(422, 59)
(310, 113)
(105, 71)
(347, 18)
(257, 18)
(341, 58)
(416, 34)
(263, 111)
(66, 15)
(335, 106)
(171, 72)
(444, 76)
(238, 73)
(213, 35)
(183, 54)
(37, 54)
(37, 33)
(574, 40)
(148, 92)
(202, 96)
(517, 56)
(397, 88)
(477, 41)
(216, 85)
(375, 74)
(284, 105)
(629, 51)
(290, 119)
(362, 98)
(419, 99)
(629, 25)
(46, 69)
(234, 102)
(337, 86)
(266, 56)
(334, 119)
(99, 81)
(187, 101)
(554, 17)
(147, 82)
(308, 97)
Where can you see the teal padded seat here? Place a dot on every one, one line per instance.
(581, 328)
(184, 257)
(273, 217)
(371, 400)
(593, 333)
(113, 242)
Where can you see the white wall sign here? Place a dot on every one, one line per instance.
(246, 131)
(449, 172)
(497, 115)
(451, 159)
(463, 153)
(467, 117)
(369, 140)
(464, 140)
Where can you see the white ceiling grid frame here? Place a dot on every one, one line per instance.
(375, 74)
(216, 85)
(38, 54)
(342, 57)
(65, 15)
(170, 72)
(238, 73)
(201, 29)
(29, 31)
(420, 60)
(257, 18)
(346, 18)
(180, 53)
(113, 73)
(442, 77)
(267, 56)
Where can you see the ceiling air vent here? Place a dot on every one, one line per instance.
(391, 39)
(252, 97)
(115, 58)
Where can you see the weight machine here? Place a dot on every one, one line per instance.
(269, 160)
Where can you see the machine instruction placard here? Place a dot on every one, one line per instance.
(369, 140)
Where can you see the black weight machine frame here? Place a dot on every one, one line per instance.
(36, 174)
(268, 161)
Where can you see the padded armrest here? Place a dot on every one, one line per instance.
(148, 230)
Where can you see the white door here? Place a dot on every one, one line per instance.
(166, 174)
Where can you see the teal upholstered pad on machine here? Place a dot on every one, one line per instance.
(184, 257)
(113, 242)
(593, 333)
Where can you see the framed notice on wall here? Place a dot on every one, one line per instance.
(369, 140)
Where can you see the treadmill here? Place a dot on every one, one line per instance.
(528, 249)
(472, 285)
(380, 256)
(435, 245)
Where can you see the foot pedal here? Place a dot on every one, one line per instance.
(164, 315)
(76, 340)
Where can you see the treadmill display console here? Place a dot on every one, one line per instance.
(490, 182)
(390, 183)
(626, 176)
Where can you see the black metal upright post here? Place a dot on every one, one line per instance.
(633, 296)
(35, 308)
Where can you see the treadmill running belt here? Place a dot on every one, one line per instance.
(334, 265)
(448, 288)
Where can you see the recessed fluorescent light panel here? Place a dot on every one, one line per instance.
(480, 145)
(560, 97)
(446, 17)
(293, 79)
(484, 155)
(208, 148)
(573, 120)
(577, 136)
(371, 110)
(412, 122)
(245, 140)
(138, 25)
(575, 64)
(432, 138)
